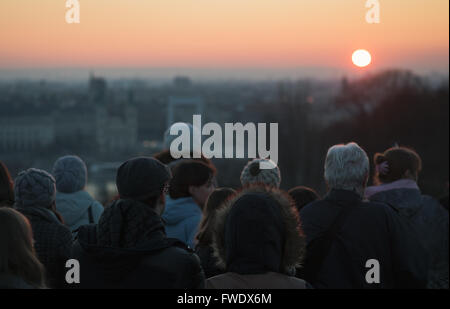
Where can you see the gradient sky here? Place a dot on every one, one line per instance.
(223, 33)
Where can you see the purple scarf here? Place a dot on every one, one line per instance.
(399, 184)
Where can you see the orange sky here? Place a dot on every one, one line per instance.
(222, 33)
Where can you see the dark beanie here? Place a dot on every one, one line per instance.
(141, 178)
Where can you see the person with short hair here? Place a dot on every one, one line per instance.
(192, 183)
(396, 175)
(35, 193)
(128, 248)
(346, 235)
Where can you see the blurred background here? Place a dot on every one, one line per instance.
(107, 88)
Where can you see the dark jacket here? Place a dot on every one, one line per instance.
(258, 242)
(53, 242)
(430, 221)
(8, 281)
(208, 260)
(129, 249)
(370, 231)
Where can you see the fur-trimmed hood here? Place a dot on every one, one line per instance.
(258, 230)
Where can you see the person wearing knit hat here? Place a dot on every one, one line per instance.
(74, 203)
(35, 194)
(129, 248)
(34, 188)
(253, 174)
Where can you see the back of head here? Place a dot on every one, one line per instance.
(34, 188)
(17, 256)
(70, 173)
(396, 163)
(258, 231)
(189, 173)
(347, 168)
(253, 174)
(6, 186)
(303, 196)
(142, 178)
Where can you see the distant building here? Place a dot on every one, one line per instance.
(97, 89)
(26, 133)
(181, 109)
(182, 82)
(117, 128)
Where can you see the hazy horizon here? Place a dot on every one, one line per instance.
(198, 74)
(250, 39)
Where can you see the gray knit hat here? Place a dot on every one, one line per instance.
(34, 187)
(70, 174)
(252, 174)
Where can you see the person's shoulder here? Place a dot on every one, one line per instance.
(433, 209)
(316, 206)
(377, 207)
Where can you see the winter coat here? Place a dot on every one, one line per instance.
(369, 231)
(74, 208)
(208, 260)
(430, 220)
(258, 241)
(129, 249)
(53, 242)
(8, 281)
(182, 217)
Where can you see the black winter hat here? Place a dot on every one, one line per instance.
(142, 177)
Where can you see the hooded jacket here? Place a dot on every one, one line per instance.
(370, 231)
(74, 208)
(258, 241)
(182, 217)
(430, 222)
(129, 249)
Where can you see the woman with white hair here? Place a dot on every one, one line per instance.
(352, 243)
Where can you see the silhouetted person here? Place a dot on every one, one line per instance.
(302, 196)
(347, 237)
(6, 187)
(189, 189)
(397, 172)
(35, 198)
(73, 202)
(19, 266)
(204, 237)
(128, 248)
(258, 241)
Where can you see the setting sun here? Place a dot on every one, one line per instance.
(361, 58)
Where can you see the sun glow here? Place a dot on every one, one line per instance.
(361, 58)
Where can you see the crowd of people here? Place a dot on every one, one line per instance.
(171, 226)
